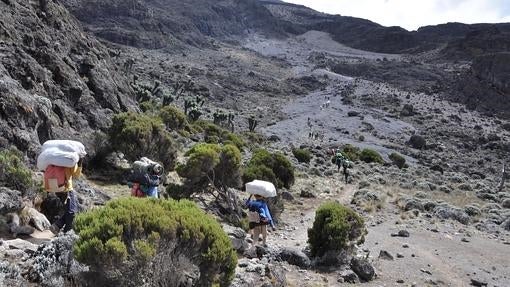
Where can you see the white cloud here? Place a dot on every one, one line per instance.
(412, 14)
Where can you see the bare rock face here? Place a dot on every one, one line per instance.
(494, 68)
(55, 81)
(10, 200)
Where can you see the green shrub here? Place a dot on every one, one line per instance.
(216, 134)
(173, 118)
(369, 155)
(137, 234)
(398, 160)
(336, 227)
(211, 164)
(275, 168)
(139, 135)
(149, 106)
(13, 171)
(302, 155)
(351, 152)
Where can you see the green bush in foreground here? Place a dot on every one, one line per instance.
(302, 155)
(154, 237)
(335, 228)
(398, 160)
(13, 171)
(369, 155)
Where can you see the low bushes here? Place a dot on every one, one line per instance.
(135, 242)
(302, 155)
(369, 155)
(13, 171)
(272, 167)
(351, 152)
(138, 135)
(335, 228)
(173, 118)
(398, 160)
(216, 134)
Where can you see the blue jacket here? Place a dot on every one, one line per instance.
(261, 207)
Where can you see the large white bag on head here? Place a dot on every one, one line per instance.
(66, 145)
(55, 156)
(260, 187)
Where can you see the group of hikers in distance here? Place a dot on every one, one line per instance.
(61, 161)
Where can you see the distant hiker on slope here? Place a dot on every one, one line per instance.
(342, 161)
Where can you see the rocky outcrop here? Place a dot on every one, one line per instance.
(494, 69)
(55, 80)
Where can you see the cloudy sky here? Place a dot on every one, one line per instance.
(412, 14)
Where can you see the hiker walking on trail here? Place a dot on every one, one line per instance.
(67, 197)
(342, 161)
(61, 161)
(259, 218)
(145, 178)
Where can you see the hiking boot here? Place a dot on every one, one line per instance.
(54, 229)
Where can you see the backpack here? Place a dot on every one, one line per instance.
(339, 157)
(137, 191)
(55, 178)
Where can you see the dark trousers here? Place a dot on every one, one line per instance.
(71, 208)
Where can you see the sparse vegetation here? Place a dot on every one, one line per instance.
(13, 171)
(134, 234)
(216, 134)
(336, 227)
(302, 155)
(173, 118)
(369, 155)
(351, 152)
(398, 160)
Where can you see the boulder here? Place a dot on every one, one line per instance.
(295, 257)
(10, 200)
(383, 254)
(37, 219)
(363, 268)
(287, 195)
(417, 142)
(349, 276)
(21, 245)
(237, 236)
(307, 194)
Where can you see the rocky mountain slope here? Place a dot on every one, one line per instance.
(176, 24)
(56, 80)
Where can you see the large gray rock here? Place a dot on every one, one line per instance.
(37, 219)
(21, 245)
(363, 268)
(10, 200)
(417, 142)
(237, 236)
(295, 257)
